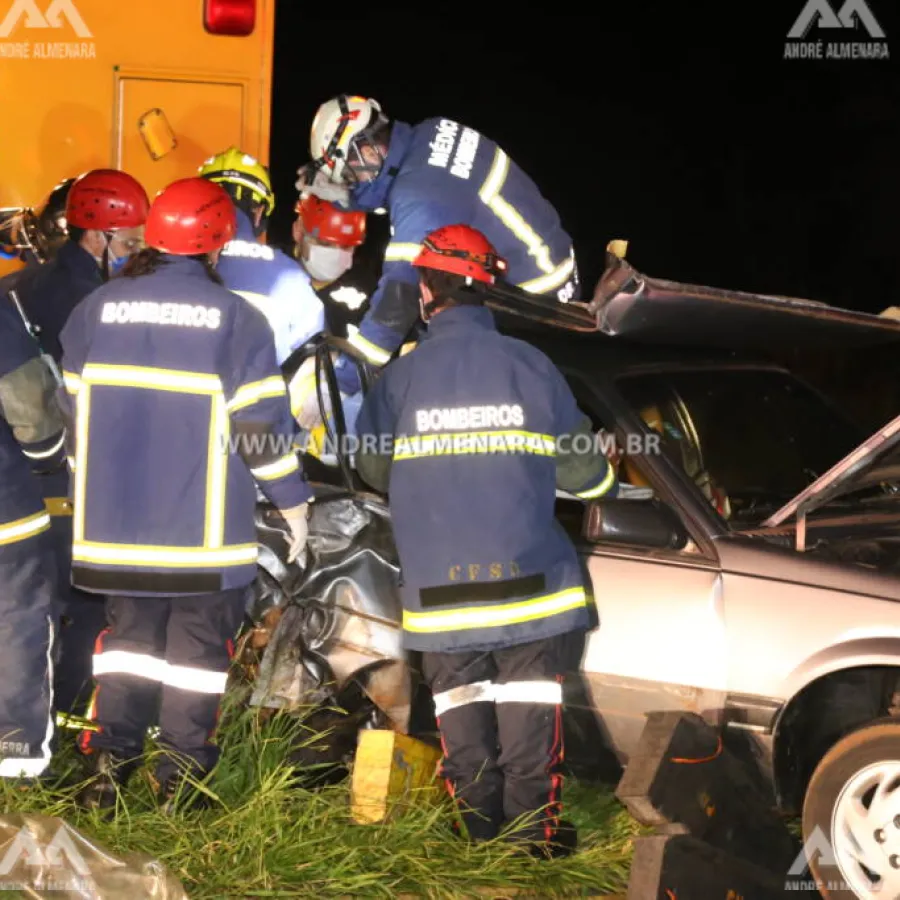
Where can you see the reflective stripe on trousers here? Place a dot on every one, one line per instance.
(543, 692)
(32, 767)
(187, 678)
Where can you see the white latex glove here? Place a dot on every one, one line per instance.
(297, 520)
(303, 397)
(321, 186)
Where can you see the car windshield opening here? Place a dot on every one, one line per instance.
(751, 439)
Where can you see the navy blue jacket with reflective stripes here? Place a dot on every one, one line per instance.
(276, 285)
(49, 292)
(179, 406)
(443, 173)
(31, 430)
(472, 419)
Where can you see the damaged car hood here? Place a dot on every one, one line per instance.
(860, 468)
(631, 305)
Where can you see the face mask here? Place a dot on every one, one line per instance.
(117, 263)
(327, 263)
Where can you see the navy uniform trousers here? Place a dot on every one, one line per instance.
(28, 602)
(81, 616)
(164, 660)
(500, 718)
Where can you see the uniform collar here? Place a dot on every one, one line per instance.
(461, 318)
(244, 227)
(75, 259)
(183, 265)
(373, 194)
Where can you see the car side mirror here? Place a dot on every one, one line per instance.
(648, 523)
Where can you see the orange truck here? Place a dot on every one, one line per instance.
(153, 87)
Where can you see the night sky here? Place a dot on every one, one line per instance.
(686, 133)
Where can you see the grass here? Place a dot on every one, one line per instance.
(265, 836)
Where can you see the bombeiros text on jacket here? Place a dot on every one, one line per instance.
(184, 315)
(503, 416)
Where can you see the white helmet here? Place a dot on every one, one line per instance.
(339, 130)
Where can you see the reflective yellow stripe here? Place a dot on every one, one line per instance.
(248, 394)
(163, 557)
(143, 377)
(198, 384)
(511, 217)
(372, 352)
(58, 506)
(82, 420)
(76, 723)
(277, 469)
(555, 279)
(316, 444)
(216, 474)
(20, 529)
(495, 616)
(401, 251)
(301, 388)
(601, 488)
(72, 382)
(464, 442)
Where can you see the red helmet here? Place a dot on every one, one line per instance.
(461, 250)
(106, 199)
(190, 217)
(329, 223)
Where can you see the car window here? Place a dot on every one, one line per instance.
(629, 471)
(570, 512)
(749, 438)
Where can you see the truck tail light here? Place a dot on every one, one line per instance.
(236, 18)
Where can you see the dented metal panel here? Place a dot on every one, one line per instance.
(631, 305)
(339, 616)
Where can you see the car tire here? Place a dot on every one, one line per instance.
(858, 774)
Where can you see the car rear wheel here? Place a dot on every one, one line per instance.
(851, 816)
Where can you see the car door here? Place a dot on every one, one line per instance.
(660, 639)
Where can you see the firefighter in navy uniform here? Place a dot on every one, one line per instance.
(491, 585)
(181, 413)
(429, 175)
(35, 236)
(105, 213)
(326, 237)
(265, 276)
(105, 210)
(31, 435)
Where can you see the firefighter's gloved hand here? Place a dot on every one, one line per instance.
(298, 522)
(304, 397)
(316, 181)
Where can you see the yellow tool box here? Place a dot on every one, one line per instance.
(392, 771)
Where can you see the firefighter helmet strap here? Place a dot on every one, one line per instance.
(343, 122)
(490, 262)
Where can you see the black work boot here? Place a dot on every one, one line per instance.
(177, 794)
(562, 842)
(110, 774)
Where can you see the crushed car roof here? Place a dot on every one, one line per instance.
(627, 304)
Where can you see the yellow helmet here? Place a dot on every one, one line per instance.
(240, 172)
(652, 416)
